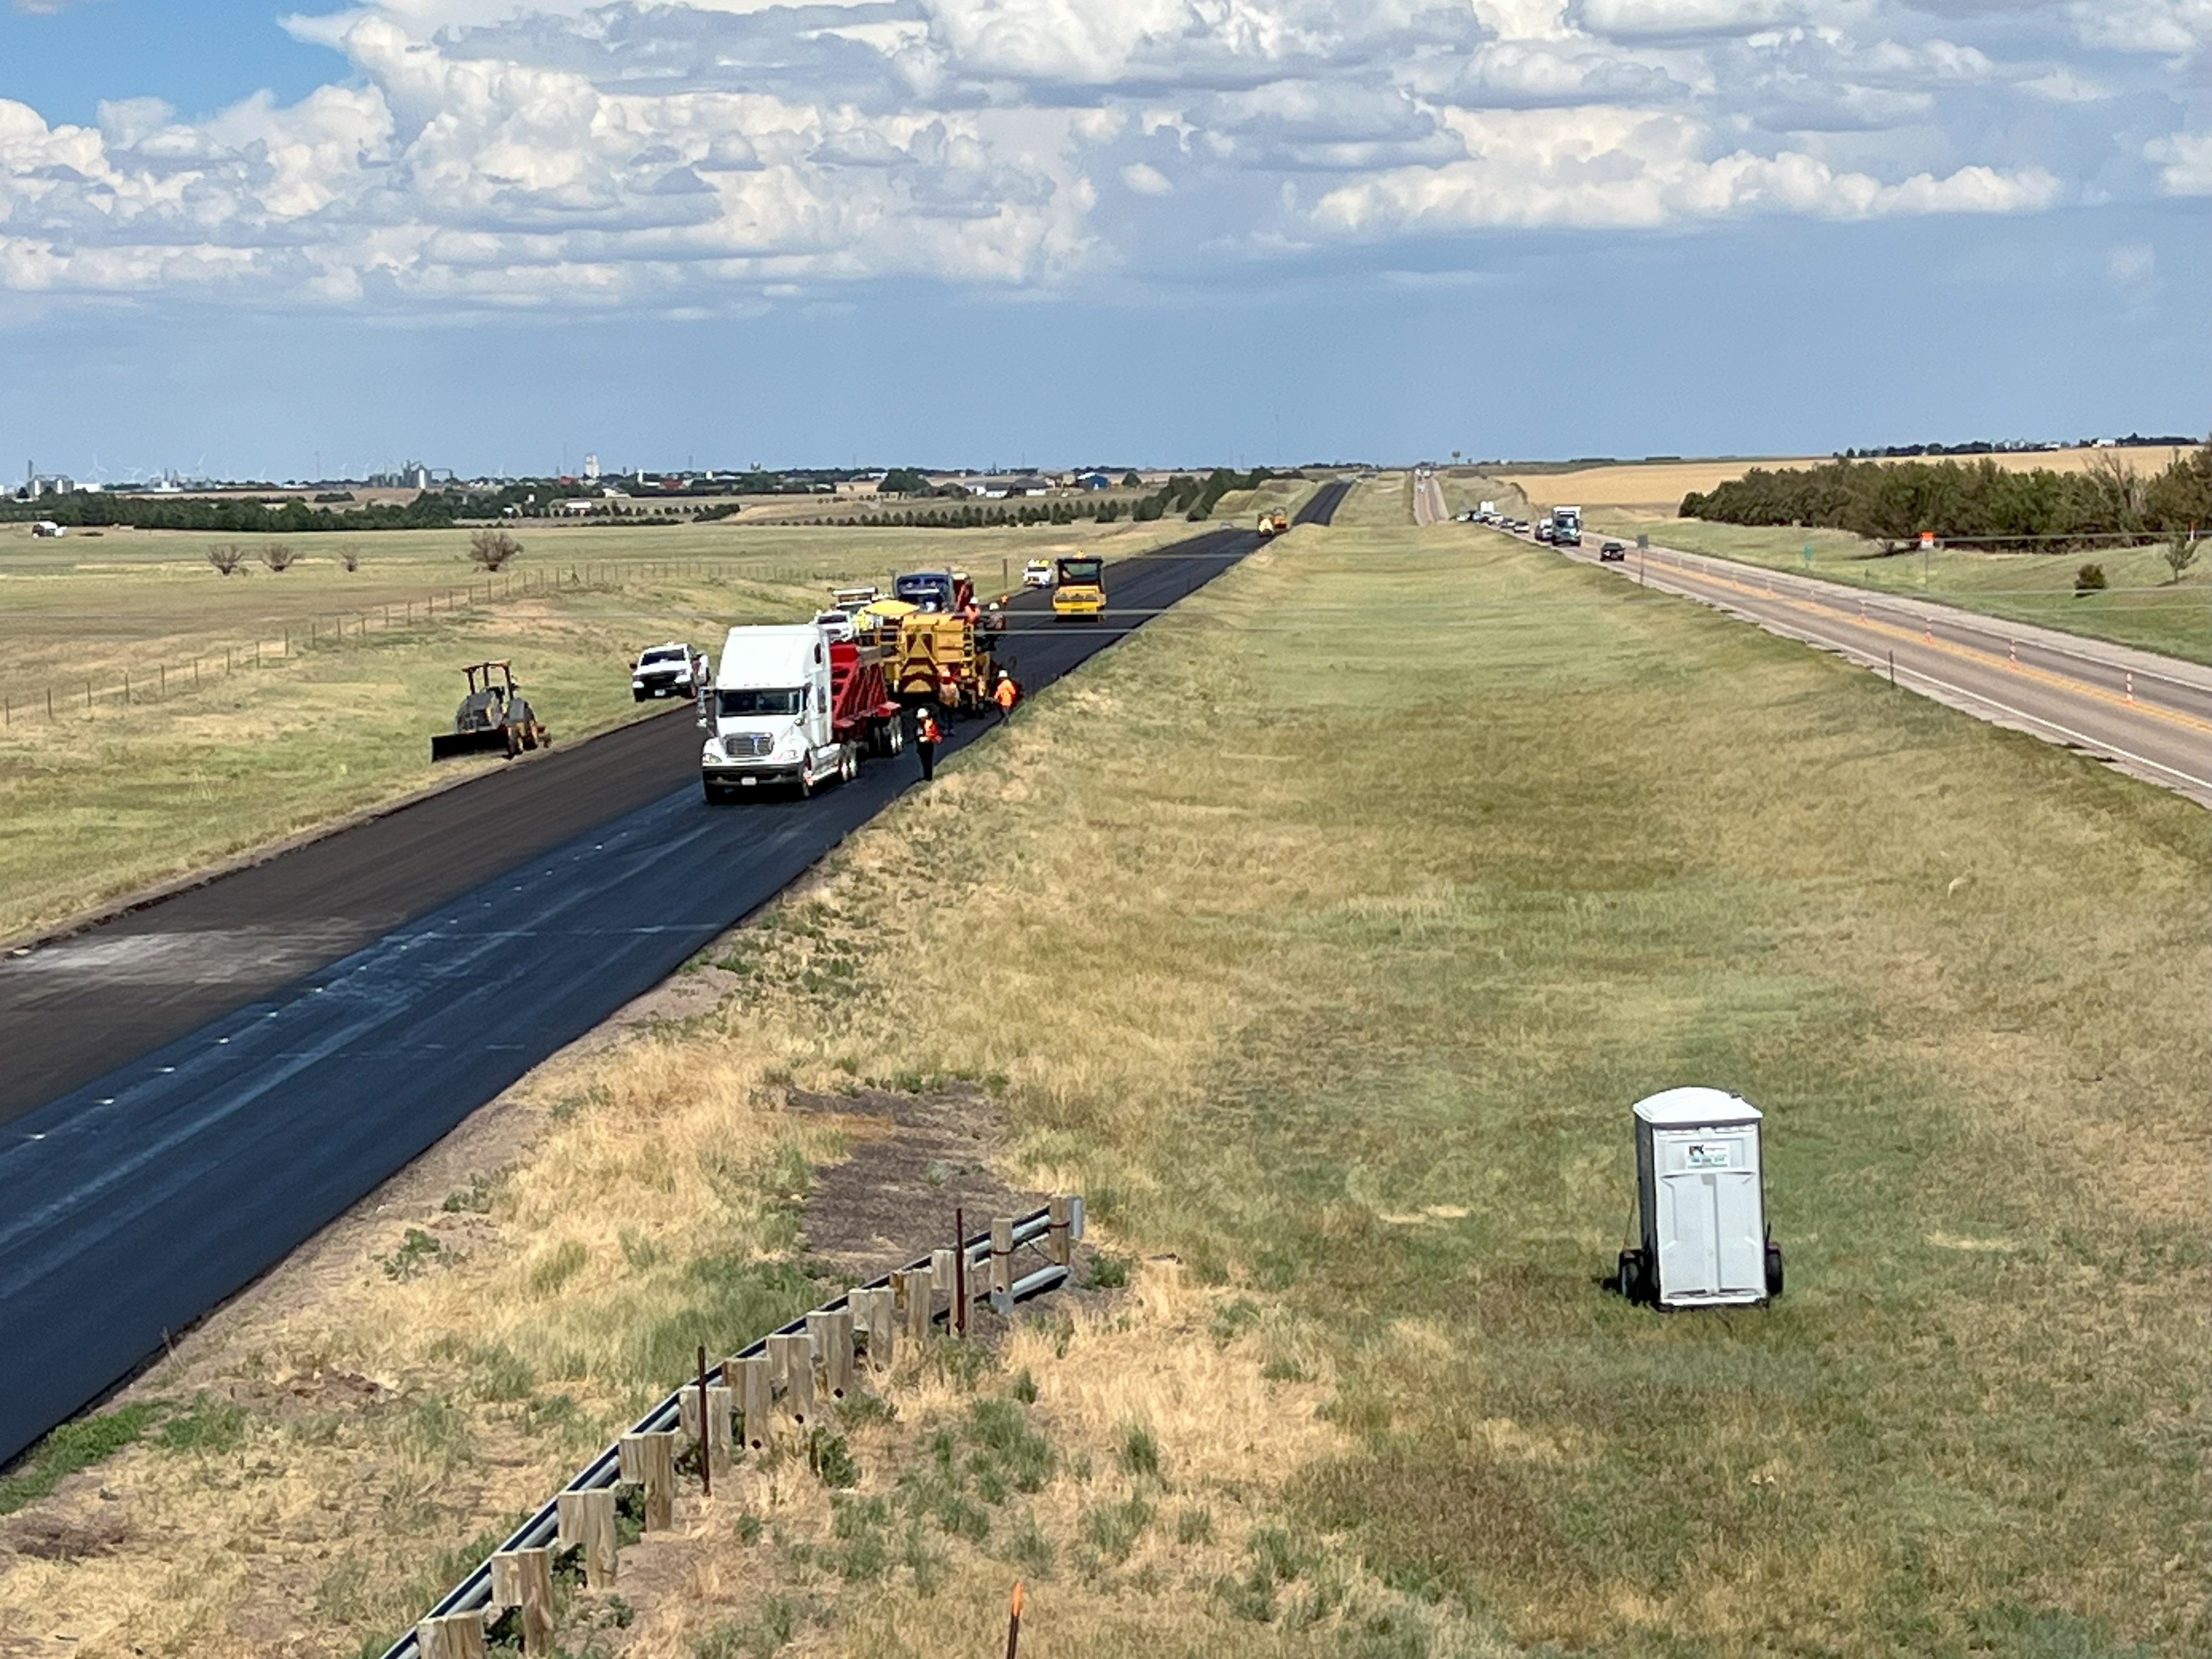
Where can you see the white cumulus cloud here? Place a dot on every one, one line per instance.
(696, 153)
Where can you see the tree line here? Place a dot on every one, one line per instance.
(93, 508)
(1972, 504)
(1193, 497)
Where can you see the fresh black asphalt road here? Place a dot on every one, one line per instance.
(134, 1202)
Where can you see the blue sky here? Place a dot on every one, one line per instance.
(267, 242)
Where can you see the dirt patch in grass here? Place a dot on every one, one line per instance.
(913, 1158)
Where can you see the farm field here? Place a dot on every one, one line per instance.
(1655, 489)
(1329, 981)
(263, 704)
(2143, 607)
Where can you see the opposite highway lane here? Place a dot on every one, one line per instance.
(2149, 715)
(133, 1203)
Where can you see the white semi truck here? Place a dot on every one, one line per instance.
(1566, 526)
(794, 706)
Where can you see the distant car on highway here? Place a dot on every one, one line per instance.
(1543, 532)
(1613, 553)
(1037, 572)
(673, 669)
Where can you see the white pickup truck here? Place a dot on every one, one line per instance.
(673, 669)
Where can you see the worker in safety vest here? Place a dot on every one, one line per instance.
(926, 737)
(1007, 694)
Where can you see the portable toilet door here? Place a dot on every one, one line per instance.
(1700, 1187)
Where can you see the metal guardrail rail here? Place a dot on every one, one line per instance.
(474, 1594)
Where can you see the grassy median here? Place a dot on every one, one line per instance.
(1323, 933)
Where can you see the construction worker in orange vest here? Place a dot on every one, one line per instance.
(926, 739)
(1006, 696)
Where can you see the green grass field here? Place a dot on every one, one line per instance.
(1322, 934)
(2142, 605)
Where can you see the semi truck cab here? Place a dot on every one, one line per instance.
(771, 713)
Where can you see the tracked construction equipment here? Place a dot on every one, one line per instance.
(494, 717)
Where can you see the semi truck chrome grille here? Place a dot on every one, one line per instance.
(748, 745)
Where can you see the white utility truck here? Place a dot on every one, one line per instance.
(1566, 526)
(794, 705)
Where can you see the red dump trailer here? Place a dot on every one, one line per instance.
(862, 710)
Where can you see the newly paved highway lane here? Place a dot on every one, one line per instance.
(134, 1202)
(2149, 715)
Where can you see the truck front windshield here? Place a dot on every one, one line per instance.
(930, 590)
(1079, 572)
(736, 705)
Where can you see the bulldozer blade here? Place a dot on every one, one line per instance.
(444, 746)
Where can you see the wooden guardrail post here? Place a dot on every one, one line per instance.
(791, 1353)
(832, 1335)
(872, 1318)
(1058, 1229)
(649, 1461)
(450, 1636)
(524, 1578)
(756, 1396)
(713, 1439)
(941, 1274)
(587, 1523)
(1002, 1263)
(920, 1291)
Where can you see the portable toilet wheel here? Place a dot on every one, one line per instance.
(1701, 1200)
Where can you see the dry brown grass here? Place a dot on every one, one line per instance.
(1325, 954)
(1656, 488)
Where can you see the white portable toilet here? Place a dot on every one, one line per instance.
(1700, 1182)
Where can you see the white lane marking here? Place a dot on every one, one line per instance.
(1859, 653)
(1966, 622)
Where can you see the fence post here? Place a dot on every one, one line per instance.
(920, 1293)
(792, 1355)
(714, 1444)
(649, 1461)
(871, 1319)
(450, 1636)
(1002, 1263)
(1060, 1229)
(587, 1523)
(833, 1344)
(524, 1578)
(756, 1396)
(958, 1319)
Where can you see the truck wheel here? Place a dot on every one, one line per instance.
(849, 768)
(715, 792)
(805, 783)
(1773, 1269)
(1631, 1276)
(895, 736)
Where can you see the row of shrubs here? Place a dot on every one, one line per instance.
(1975, 504)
